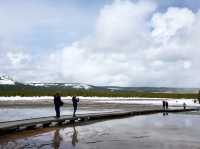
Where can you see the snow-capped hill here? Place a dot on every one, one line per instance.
(61, 85)
(42, 84)
(5, 80)
(78, 86)
(36, 84)
(114, 88)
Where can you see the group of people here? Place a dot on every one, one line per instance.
(58, 103)
(165, 105)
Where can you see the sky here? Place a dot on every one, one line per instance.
(152, 43)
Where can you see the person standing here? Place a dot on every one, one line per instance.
(184, 105)
(198, 98)
(75, 104)
(57, 102)
(164, 104)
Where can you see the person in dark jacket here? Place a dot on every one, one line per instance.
(164, 104)
(184, 105)
(57, 102)
(75, 104)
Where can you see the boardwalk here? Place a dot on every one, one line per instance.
(18, 125)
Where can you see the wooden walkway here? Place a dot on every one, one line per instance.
(10, 126)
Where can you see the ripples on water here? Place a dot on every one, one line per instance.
(178, 131)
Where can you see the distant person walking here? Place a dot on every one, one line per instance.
(198, 98)
(164, 104)
(165, 107)
(75, 104)
(184, 105)
(57, 102)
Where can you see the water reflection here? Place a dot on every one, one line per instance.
(165, 113)
(178, 131)
(57, 139)
(74, 136)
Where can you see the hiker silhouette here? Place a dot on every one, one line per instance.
(58, 103)
(75, 104)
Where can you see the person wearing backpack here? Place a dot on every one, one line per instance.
(57, 103)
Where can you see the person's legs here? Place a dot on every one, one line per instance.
(57, 111)
(75, 108)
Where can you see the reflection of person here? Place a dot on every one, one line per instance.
(57, 102)
(74, 137)
(57, 139)
(75, 103)
(165, 113)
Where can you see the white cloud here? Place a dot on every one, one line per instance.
(18, 57)
(170, 23)
(123, 25)
(133, 45)
(110, 56)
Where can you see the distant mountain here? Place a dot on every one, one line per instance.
(7, 84)
(154, 89)
(63, 85)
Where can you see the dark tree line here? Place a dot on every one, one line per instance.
(22, 90)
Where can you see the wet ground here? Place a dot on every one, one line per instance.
(26, 109)
(157, 131)
(18, 112)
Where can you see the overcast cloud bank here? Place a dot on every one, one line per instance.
(132, 44)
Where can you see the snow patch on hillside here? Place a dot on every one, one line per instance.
(42, 84)
(5, 80)
(114, 88)
(72, 85)
(36, 84)
(78, 86)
